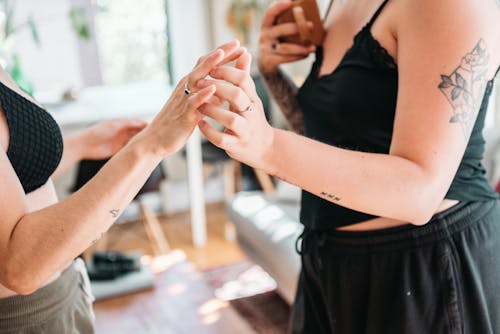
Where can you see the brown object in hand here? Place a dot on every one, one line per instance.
(301, 12)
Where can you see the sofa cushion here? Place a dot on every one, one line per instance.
(267, 233)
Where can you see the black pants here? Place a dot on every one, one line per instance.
(443, 277)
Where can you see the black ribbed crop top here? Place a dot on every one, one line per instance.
(35, 141)
(354, 108)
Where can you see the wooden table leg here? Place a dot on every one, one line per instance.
(154, 231)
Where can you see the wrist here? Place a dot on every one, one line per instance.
(270, 157)
(146, 145)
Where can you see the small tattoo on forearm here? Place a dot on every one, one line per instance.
(96, 240)
(464, 88)
(330, 196)
(114, 213)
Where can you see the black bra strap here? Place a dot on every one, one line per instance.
(328, 10)
(496, 73)
(377, 13)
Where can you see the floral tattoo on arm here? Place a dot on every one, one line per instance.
(465, 87)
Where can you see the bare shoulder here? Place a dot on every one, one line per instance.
(448, 27)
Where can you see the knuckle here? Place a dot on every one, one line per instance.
(233, 122)
(246, 138)
(221, 141)
(239, 95)
(241, 80)
(191, 102)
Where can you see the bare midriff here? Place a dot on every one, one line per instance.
(382, 223)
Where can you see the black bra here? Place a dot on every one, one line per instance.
(35, 140)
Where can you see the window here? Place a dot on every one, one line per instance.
(132, 40)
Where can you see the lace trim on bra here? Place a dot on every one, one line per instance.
(379, 54)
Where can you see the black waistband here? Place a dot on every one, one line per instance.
(441, 226)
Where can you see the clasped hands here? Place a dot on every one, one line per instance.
(247, 136)
(211, 84)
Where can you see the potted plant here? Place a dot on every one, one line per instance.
(9, 59)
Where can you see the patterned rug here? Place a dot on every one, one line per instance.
(252, 293)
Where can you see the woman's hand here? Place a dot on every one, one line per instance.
(172, 127)
(98, 142)
(103, 140)
(248, 137)
(272, 53)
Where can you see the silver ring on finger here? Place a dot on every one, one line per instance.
(187, 91)
(247, 109)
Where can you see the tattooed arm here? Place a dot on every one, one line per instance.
(442, 81)
(39, 237)
(272, 53)
(442, 77)
(284, 91)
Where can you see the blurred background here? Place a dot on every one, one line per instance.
(215, 239)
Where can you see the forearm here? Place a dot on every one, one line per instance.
(72, 153)
(377, 184)
(285, 91)
(66, 229)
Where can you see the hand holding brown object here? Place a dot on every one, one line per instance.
(301, 12)
(272, 52)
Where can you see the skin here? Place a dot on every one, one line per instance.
(407, 185)
(40, 236)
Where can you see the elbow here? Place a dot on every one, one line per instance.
(420, 219)
(19, 280)
(423, 207)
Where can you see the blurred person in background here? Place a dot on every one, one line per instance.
(401, 229)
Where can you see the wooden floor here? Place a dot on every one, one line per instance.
(182, 302)
(177, 228)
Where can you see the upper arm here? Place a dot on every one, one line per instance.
(439, 93)
(12, 199)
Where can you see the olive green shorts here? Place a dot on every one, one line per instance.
(64, 306)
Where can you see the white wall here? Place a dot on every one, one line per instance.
(189, 25)
(56, 64)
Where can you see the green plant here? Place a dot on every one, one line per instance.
(8, 29)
